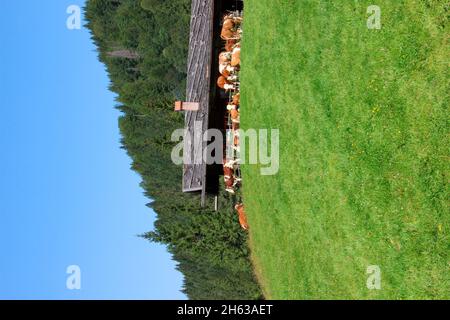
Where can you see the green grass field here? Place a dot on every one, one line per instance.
(364, 148)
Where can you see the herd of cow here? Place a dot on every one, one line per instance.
(229, 67)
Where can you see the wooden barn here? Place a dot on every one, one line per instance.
(204, 100)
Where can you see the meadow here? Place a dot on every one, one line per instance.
(364, 148)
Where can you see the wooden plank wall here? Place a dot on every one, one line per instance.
(198, 90)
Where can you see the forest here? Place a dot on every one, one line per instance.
(143, 45)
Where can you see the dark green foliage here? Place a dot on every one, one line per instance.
(144, 47)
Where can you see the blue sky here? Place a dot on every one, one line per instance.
(68, 196)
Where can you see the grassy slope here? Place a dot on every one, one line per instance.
(363, 147)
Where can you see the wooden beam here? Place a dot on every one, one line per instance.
(186, 106)
(178, 105)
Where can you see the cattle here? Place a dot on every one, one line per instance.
(228, 24)
(227, 34)
(229, 181)
(231, 106)
(228, 175)
(230, 21)
(231, 28)
(224, 57)
(228, 169)
(229, 45)
(236, 57)
(229, 164)
(223, 83)
(236, 142)
(229, 64)
(242, 216)
(237, 99)
(226, 70)
(233, 78)
(234, 115)
(225, 67)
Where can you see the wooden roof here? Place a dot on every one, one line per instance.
(198, 90)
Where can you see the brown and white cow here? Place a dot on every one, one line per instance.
(230, 44)
(228, 176)
(234, 115)
(231, 28)
(223, 83)
(236, 57)
(237, 99)
(225, 57)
